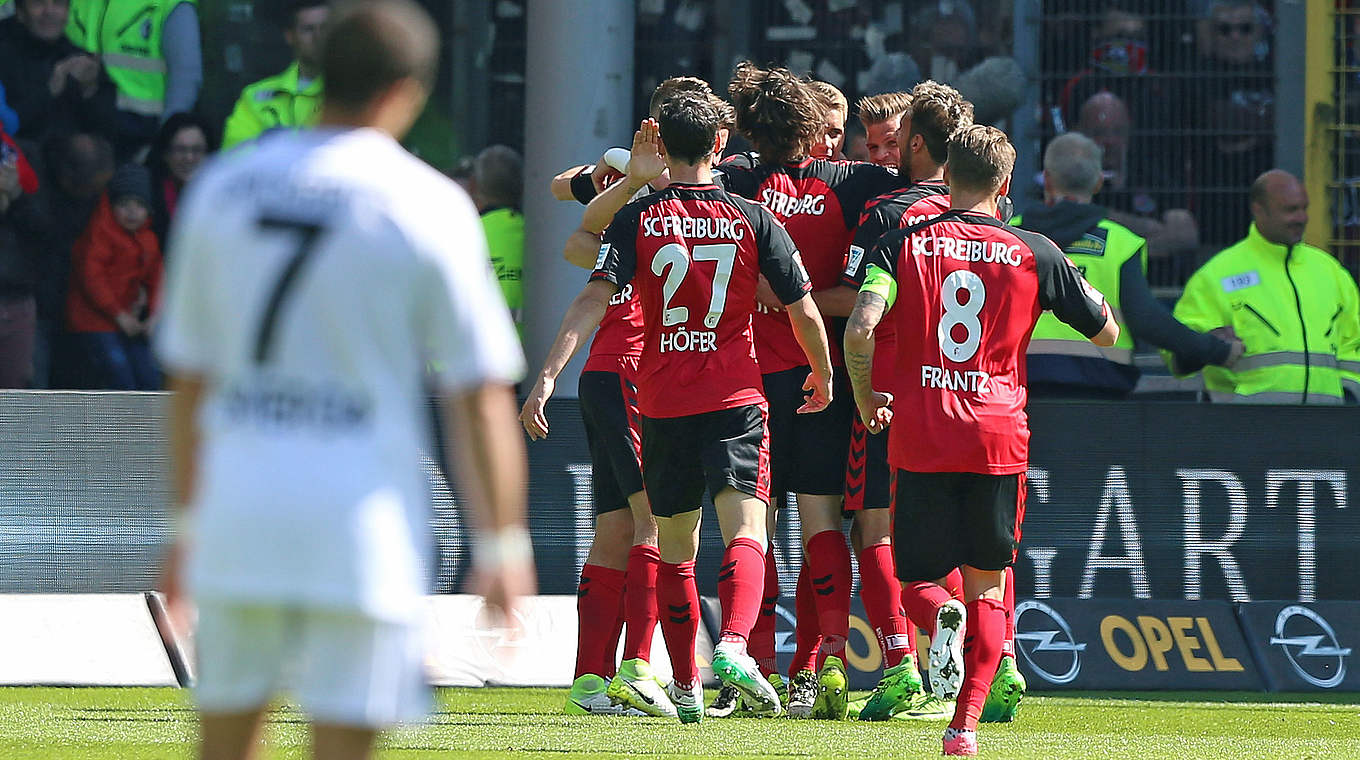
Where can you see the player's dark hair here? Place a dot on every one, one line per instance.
(980, 158)
(674, 86)
(689, 125)
(938, 111)
(370, 46)
(776, 110)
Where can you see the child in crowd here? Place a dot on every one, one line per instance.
(115, 285)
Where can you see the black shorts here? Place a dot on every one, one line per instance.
(808, 451)
(613, 432)
(945, 520)
(682, 455)
(868, 476)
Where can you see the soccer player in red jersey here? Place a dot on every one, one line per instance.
(819, 202)
(830, 142)
(694, 254)
(964, 291)
(882, 116)
(937, 111)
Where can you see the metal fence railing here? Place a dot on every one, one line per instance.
(1344, 133)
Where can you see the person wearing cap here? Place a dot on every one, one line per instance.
(115, 285)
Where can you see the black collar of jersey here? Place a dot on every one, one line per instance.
(955, 214)
(693, 186)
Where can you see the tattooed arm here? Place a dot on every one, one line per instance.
(874, 407)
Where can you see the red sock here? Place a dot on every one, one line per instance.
(806, 634)
(882, 603)
(829, 556)
(678, 599)
(640, 596)
(1008, 644)
(953, 583)
(921, 599)
(741, 579)
(598, 614)
(611, 660)
(981, 654)
(761, 645)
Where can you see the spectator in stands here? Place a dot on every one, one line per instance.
(291, 99)
(185, 140)
(115, 285)
(1233, 104)
(151, 51)
(80, 170)
(498, 190)
(1139, 190)
(56, 88)
(19, 218)
(1293, 305)
(9, 118)
(1062, 362)
(832, 142)
(950, 46)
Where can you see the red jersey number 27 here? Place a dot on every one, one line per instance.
(673, 261)
(961, 316)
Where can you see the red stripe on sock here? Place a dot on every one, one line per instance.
(829, 558)
(981, 654)
(882, 602)
(599, 608)
(640, 593)
(678, 597)
(761, 644)
(807, 635)
(741, 579)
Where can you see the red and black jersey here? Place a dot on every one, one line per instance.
(968, 290)
(620, 333)
(819, 203)
(695, 253)
(891, 211)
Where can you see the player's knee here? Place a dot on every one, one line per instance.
(613, 538)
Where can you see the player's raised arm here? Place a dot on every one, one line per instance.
(644, 165)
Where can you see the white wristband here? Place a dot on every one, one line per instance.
(505, 546)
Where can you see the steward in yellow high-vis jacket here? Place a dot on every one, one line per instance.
(1062, 363)
(1294, 306)
(290, 99)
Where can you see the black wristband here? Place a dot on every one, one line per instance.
(582, 186)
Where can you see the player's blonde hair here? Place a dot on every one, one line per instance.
(980, 158)
(831, 96)
(876, 109)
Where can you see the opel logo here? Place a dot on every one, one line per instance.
(1311, 646)
(1046, 642)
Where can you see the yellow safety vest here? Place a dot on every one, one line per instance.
(504, 230)
(1100, 254)
(271, 103)
(1297, 311)
(126, 35)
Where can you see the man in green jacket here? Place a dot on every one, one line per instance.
(292, 98)
(1294, 306)
(497, 188)
(1062, 362)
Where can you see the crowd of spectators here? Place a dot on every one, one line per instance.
(99, 134)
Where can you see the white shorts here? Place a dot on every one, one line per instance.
(344, 668)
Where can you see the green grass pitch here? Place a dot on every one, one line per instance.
(135, 724)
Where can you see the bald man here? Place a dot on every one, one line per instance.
(1294, 306)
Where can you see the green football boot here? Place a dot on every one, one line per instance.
(832, 691)
(895, 692)
(634, 686)
(1008, 688)
(739, 670)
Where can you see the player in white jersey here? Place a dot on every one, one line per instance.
(315, 278)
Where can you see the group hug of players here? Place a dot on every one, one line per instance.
(762, 320)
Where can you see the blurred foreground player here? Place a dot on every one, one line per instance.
(694, 253)
(309, 294)
(965, 291)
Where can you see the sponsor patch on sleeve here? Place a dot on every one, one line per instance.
(852, 264)
(1240, 281)
(604, 254)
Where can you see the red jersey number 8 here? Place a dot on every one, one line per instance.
(961, 314)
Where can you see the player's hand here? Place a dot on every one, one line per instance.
(820, 386)
(503, 571)
(765, 295)
(877, 415)
(645, 163)
(1235, 345)
(533, 415)
(604, 175)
